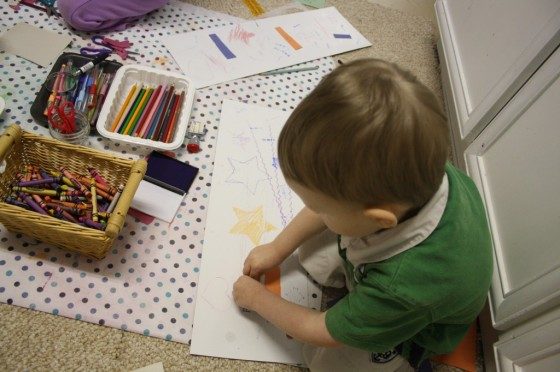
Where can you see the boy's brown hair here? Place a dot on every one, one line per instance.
(369, 133)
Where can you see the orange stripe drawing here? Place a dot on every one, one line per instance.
(272, 281)
(290, 40)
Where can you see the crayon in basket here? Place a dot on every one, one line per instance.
(86, 199)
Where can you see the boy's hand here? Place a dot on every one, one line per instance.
(245, 291)
(300, 322)
(260, 259)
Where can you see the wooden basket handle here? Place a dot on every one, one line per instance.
(116, 222)
(11, 135)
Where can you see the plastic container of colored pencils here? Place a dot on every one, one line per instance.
(147, 106)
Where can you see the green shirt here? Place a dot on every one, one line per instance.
(427, 296)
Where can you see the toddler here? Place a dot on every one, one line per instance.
(367, 152)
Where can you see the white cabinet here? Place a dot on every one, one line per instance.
(531, 347)
(515, 162)
(501, 78)
(488, 49)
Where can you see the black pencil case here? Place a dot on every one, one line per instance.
(40, 102)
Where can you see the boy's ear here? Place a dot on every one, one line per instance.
(383, 217)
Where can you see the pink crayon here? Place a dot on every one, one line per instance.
(97, 176)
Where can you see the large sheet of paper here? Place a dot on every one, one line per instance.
(222, 54)
(249, 205)
(35, 44)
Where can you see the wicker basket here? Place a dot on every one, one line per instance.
(20, 148)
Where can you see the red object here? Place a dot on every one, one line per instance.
(142, 217)
(194, 145)
(166, 105)
(64, 119)
(168, 135)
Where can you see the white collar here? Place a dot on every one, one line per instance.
(388, 243)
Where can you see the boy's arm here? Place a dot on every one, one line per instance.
(263, 257)
(304, 324)
(303, 226)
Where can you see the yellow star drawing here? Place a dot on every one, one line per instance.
(252, 224)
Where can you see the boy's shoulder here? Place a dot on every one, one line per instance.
(464, 212)
(455, 258)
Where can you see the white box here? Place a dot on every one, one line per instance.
(124, 79)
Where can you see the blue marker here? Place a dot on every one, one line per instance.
(76, 91)
(83, 93)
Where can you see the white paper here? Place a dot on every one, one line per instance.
(156, 201)
(222, 54)
(156, 367)
(249, 205)
(35, 44)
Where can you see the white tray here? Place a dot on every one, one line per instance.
(129, 75)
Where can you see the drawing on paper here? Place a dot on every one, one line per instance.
(289, 39)
(249, 205)
(261, 45)
(221, 46)
(252, 224)
(218, 294)
(238, 33)
(243, 172)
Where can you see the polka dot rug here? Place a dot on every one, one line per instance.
(148, 282)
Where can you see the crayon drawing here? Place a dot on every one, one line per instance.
(238, 33)
(249, 205)
(252, 224)
(241, 173)
(262, 45)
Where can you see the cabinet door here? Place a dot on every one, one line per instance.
(532, 347)
(490, 49)
(516, 165)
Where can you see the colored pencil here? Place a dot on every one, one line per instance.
(167, 123)
(133, 120)
(143, 105)
(159, 112)
(132, 109)
(160, 131)
(154, 133)
(173, 121)
(149, 118)
(147, 109)
(101, 98)
(283, 71)
(127, 109)
(123, 107)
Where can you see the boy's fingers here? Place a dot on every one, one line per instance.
(255, 274)
(246, 268)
